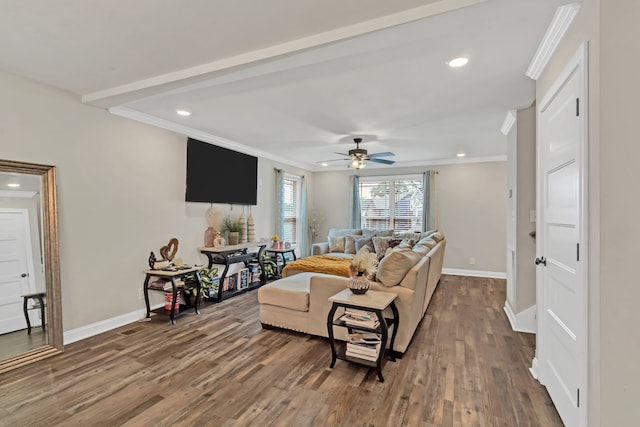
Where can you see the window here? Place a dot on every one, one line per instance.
(291, 208)
(391, 202)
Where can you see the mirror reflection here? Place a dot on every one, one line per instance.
(23, 302)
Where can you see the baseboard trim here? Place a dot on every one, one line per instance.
(534, 368)
(88, 331)
(524, 321)
(475, 273)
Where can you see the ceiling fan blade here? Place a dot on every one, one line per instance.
(384, 161)
(342, 154)
(385, 154)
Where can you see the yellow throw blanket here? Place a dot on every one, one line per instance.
(319, 264)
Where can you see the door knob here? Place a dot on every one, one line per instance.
(24, 275)
(541, 260)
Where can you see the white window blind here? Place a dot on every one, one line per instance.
(391, 203)
(291, 208)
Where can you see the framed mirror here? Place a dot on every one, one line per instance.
(30, 292)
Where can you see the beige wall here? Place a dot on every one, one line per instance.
(121, 194)
(619, 228)
(471, 209)
(521, 175)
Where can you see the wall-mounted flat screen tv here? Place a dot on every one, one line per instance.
(220, 175)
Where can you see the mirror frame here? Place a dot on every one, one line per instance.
(55, 340)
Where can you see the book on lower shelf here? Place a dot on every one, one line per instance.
(361, 356)
(352, 320)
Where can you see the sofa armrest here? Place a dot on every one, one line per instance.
(319, 248)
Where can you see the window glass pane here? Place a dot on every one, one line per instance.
(391, 203)
(290, 210)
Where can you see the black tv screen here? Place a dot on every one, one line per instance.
(220, 175)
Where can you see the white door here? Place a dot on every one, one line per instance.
(14, 269)
(561, 250)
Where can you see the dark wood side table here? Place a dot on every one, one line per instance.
(281, 252)
(375, 302)
(173, 276)
(40, 303)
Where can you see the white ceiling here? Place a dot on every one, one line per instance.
(292, 80)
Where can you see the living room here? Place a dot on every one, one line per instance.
(121, 195)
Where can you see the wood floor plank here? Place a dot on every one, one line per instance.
(464, 367)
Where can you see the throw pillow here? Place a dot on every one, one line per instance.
(406, 243)
(364, 241)
(395, 266)
(350, 243)
(380, 245)
(336, 244)
(438, 236)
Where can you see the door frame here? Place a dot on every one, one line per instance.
(577, 64)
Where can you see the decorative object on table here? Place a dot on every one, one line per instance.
(287, 245)
(281, 245)
(177, 262)
(243, 228)
(219, 241)
(251, 228)
(209, 235)
(159, 265)
(362, 267)
(169, 252)
(232, 226)
(152, 259)
(358, 285)
(274, 241)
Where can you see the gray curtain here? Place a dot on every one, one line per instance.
(429, 216)
(304, 248)
(353, 215)
(279, 225)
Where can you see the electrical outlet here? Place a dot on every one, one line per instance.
(472, 260)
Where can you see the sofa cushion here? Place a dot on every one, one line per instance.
(343, 232)
(381, 244)
(336, 243)
(438, 236)
(395, 266)
(364, 241)
(291, 292)
(368, 232)
(350, 243)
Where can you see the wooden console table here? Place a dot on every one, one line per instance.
(173, 275)
(231, 254)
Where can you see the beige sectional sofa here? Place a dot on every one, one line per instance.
(300, 302)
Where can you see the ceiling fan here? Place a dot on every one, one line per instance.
(359, 156)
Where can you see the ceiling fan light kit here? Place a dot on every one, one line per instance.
(358, 157)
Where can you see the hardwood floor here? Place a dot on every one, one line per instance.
(465, 367)
(18, 342)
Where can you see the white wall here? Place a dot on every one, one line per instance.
(120, 190)
(471, 209)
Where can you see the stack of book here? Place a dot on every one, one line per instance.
(364, 346)
(360, 318)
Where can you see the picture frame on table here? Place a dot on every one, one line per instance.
(243, 278)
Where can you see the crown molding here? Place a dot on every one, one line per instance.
(199, 135)
(424, 163)
(508, 123)
(555, 32)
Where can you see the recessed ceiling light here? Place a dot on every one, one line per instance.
(183, 112)
(324, 164)
(458, 62)
(461, 154)
(13, 185)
